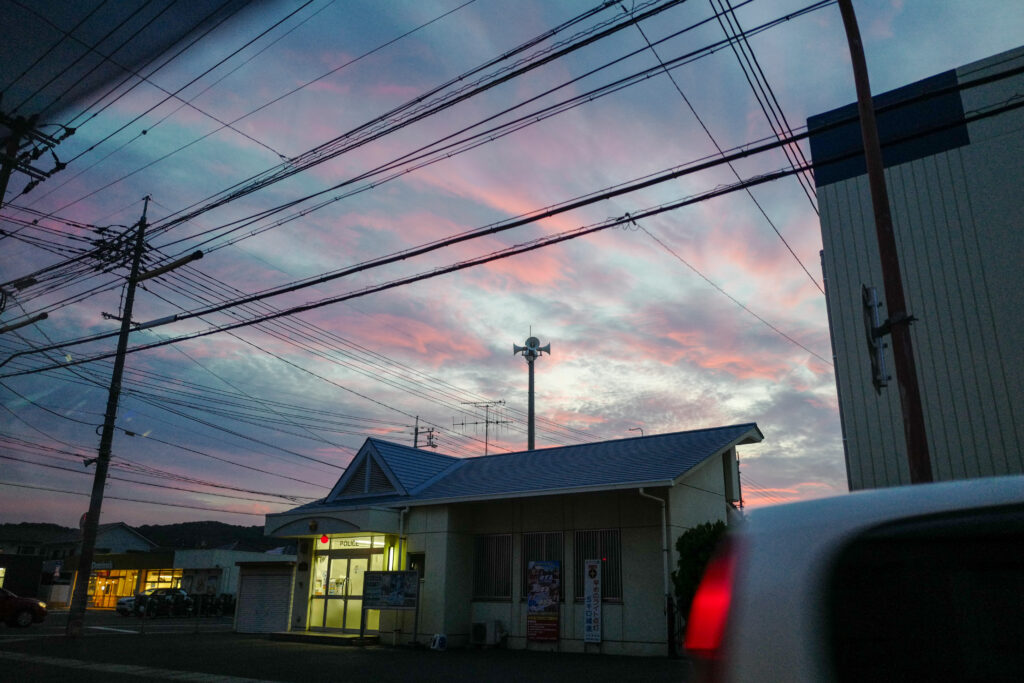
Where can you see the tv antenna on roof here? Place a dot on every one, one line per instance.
(487, 421)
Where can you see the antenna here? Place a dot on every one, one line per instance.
(486, 405)
(531, 352)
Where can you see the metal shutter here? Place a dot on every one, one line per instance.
(263, 602)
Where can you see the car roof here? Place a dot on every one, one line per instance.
(864, 508)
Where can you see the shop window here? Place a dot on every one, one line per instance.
(544, 546)
(163, 578)
(602, 544)
(492, 567)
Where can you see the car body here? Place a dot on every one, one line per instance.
(162, 602)
(18, 611)
(910, 583)
(125, 606)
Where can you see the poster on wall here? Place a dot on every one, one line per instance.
(391, 590)
(592, 601)
(543, 593)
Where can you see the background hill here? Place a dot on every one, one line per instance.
(210, 535)
(186, 535)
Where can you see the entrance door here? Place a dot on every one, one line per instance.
(339, 605)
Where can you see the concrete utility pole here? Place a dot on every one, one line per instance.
(530, 352)
(80, 596)
(898, 323)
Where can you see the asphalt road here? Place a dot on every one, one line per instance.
(117, 649)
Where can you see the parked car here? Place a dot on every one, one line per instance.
(162, 602)
(125, 606)
(916, 583)
(18, 611)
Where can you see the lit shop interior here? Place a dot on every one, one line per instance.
(336, 580)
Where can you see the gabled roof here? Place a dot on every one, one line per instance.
(381, 468)
(418, 477)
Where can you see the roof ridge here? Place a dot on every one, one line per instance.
(412, 448)
(594, 443)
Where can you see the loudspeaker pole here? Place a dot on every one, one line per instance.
(530, 352)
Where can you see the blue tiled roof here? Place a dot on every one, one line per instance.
(412, 466)
(638, 461)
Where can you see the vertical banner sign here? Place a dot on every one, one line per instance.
(592, 601)
(543, 592)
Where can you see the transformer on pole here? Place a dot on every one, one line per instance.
(530, 352)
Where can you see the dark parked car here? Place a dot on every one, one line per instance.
(162, 602)
(16, 611)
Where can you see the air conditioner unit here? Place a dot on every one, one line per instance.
(486, 632)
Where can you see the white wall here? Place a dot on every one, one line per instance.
(634, 626)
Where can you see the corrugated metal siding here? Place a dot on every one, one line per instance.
(262, 605)
(957, 216)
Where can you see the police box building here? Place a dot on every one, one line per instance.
(566, 548)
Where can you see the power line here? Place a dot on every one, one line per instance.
(731, 297)
(410, 112)
(133, 500)
(254, 111)
(78, 471)
(763, 92)
(505, 253)
(722, 153)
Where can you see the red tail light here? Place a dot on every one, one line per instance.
(705, 629)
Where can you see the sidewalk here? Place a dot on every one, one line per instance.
(256, 657)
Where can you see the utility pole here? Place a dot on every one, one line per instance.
(19, 127)
(486, 405)
(416, 435)
(11, 159)
(80, 595)
(898, 323)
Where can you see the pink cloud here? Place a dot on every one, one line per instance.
(432, 345)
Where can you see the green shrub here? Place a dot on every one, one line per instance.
(695, 547)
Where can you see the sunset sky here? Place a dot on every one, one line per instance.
(694, 317)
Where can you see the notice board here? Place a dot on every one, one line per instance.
(391, 590)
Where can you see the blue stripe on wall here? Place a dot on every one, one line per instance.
(940, 110)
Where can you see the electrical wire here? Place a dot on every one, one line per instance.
(722, 153)
(132, 500)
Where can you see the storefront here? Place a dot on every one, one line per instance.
(337, 579)
(198, 572)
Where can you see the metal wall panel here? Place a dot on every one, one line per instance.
(959, 221)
